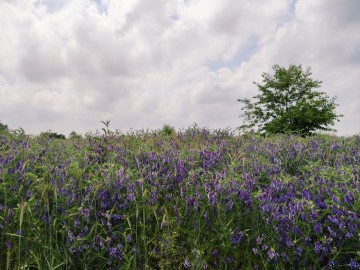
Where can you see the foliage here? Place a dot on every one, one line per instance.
(288, 104)
(74, 135)
(52, 135)
(199, 199)
(3, 127)
(167, 130)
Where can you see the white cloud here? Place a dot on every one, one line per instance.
(66, 65)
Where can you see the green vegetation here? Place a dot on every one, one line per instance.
(167, 130)
(197, 198)
(3, 127)
(288, 104)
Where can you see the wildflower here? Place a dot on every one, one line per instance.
(236, 236)
(318, 247)
(230, 205)
(71, 237)
(317, 228)
(77, 223)
(285, 256)
(216, 253)
(331, 263)
(354, 265)
(306, 194)
(348, 198)
(187, 264)
(230, 259)
(128, 238)
(115, 252)
(326, 249)
(333, 219)
(258, 240)
(272, 254)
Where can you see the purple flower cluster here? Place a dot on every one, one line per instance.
(200, 199)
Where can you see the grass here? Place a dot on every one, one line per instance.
(199, 198)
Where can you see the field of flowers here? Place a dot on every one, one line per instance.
(196, 199)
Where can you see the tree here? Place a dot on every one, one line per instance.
(74, 135)
(288, 103)
(167, 130)
(52, 135)
(3, 127)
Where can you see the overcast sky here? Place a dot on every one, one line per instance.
(69, 64)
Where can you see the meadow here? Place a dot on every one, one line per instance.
(192, 199)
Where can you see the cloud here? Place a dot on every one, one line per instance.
(67, 65)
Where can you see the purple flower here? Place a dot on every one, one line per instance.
(230, 205)
(77, 223)
(236, 236)
(258, 240)
(272, 254)
(115, 252)
(255, 251)
(318, 247)
(348, 198)
(317, 228)
(285, 256)
(331, 263)
(297, 231)
(128, 238)
(354, 265)
(306, 194)
(187, 264)
(131, 197)
(326, 249)
(71, 237)
(212, 198)
(333, 219)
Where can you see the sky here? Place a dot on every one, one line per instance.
(67, 65)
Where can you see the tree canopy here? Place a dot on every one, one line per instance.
(289, 103)
(3, 127)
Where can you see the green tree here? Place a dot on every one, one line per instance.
(52, 135)
(289, 103)
(167, 130)
(74, 135)
(3, 127)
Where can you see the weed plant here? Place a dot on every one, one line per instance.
(195, 199)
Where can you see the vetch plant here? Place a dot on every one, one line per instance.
(215, 201)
